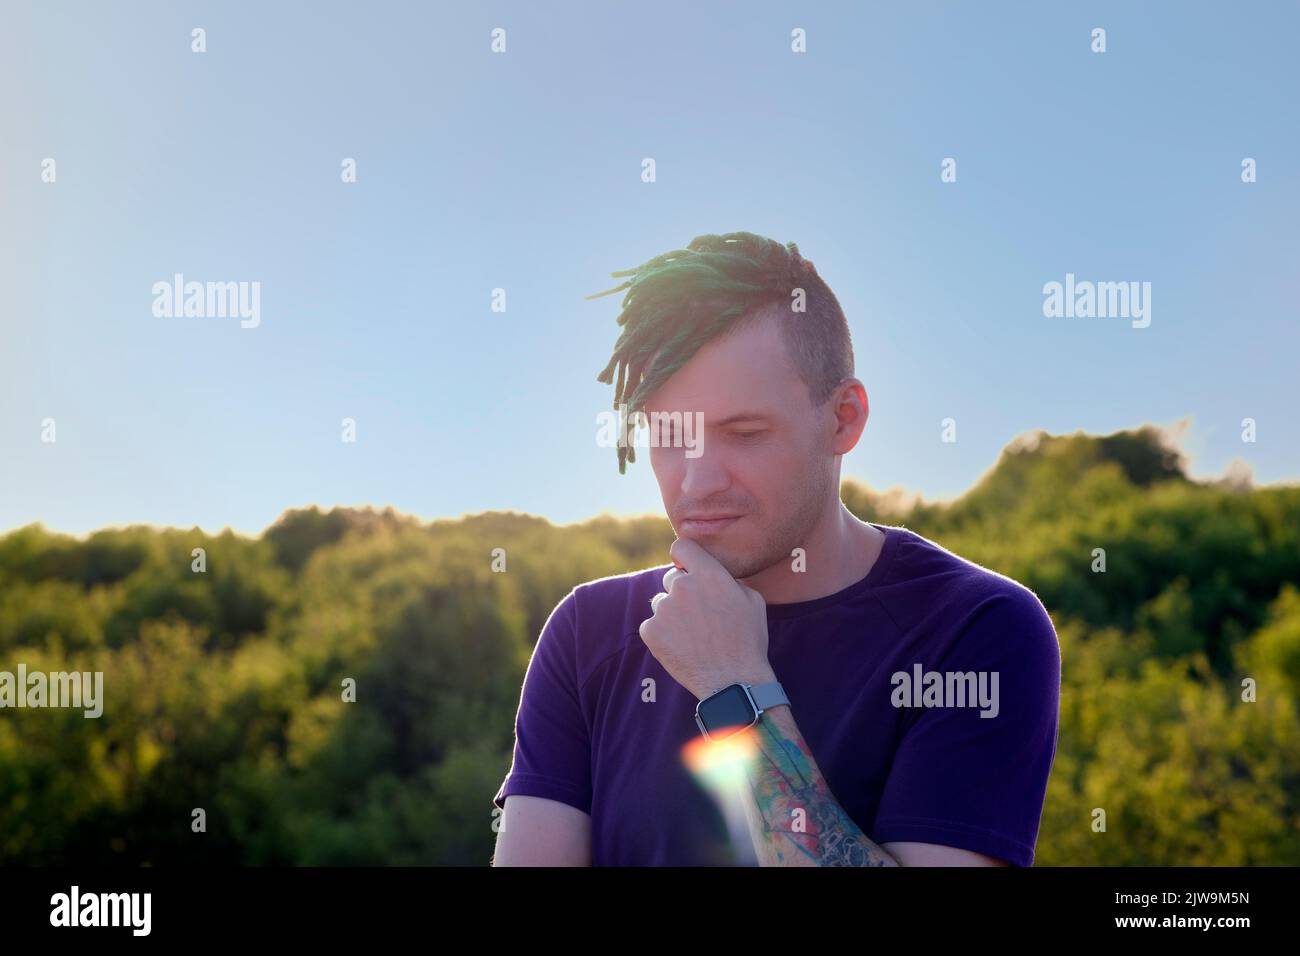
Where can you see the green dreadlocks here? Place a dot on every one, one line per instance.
(681, 300)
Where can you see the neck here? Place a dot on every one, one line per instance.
(840, 551)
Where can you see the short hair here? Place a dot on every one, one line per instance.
(678, 301)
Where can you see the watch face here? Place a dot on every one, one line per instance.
(727, 712)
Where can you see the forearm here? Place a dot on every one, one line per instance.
(794, 819)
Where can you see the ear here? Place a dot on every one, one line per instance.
(849, 404)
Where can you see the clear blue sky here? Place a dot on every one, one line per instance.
(522, 171)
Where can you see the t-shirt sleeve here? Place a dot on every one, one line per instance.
(552, 754)
(978, 782)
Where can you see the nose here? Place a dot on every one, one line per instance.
(704, 475)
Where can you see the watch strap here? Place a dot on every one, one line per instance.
(771, 694)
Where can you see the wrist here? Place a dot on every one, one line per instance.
(738, 705)
(755, 678)
(778, 715)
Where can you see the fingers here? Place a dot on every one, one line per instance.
(692, 556)
(670, 576)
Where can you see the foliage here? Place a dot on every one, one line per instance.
(224, 688)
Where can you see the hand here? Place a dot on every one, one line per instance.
(706, 628)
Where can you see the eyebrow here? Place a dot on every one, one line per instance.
(742, 417)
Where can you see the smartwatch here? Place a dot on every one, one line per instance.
(736, 707)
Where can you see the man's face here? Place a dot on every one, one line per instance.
(764, 457)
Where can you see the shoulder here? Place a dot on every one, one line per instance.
(985, 609)
(613, 597)
(603, 615)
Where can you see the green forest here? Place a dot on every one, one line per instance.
(1180, 704)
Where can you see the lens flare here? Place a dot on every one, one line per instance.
(720, 768)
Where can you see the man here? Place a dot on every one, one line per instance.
(907, 699)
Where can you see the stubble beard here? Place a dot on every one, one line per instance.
(791, 531)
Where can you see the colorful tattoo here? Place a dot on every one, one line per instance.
(796, 811)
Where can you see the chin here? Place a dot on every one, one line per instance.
(739, 566)
(737, 560)
(724, 556)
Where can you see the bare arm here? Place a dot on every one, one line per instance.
(795, 820)
(539, 832)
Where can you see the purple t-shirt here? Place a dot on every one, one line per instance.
(941, 773)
